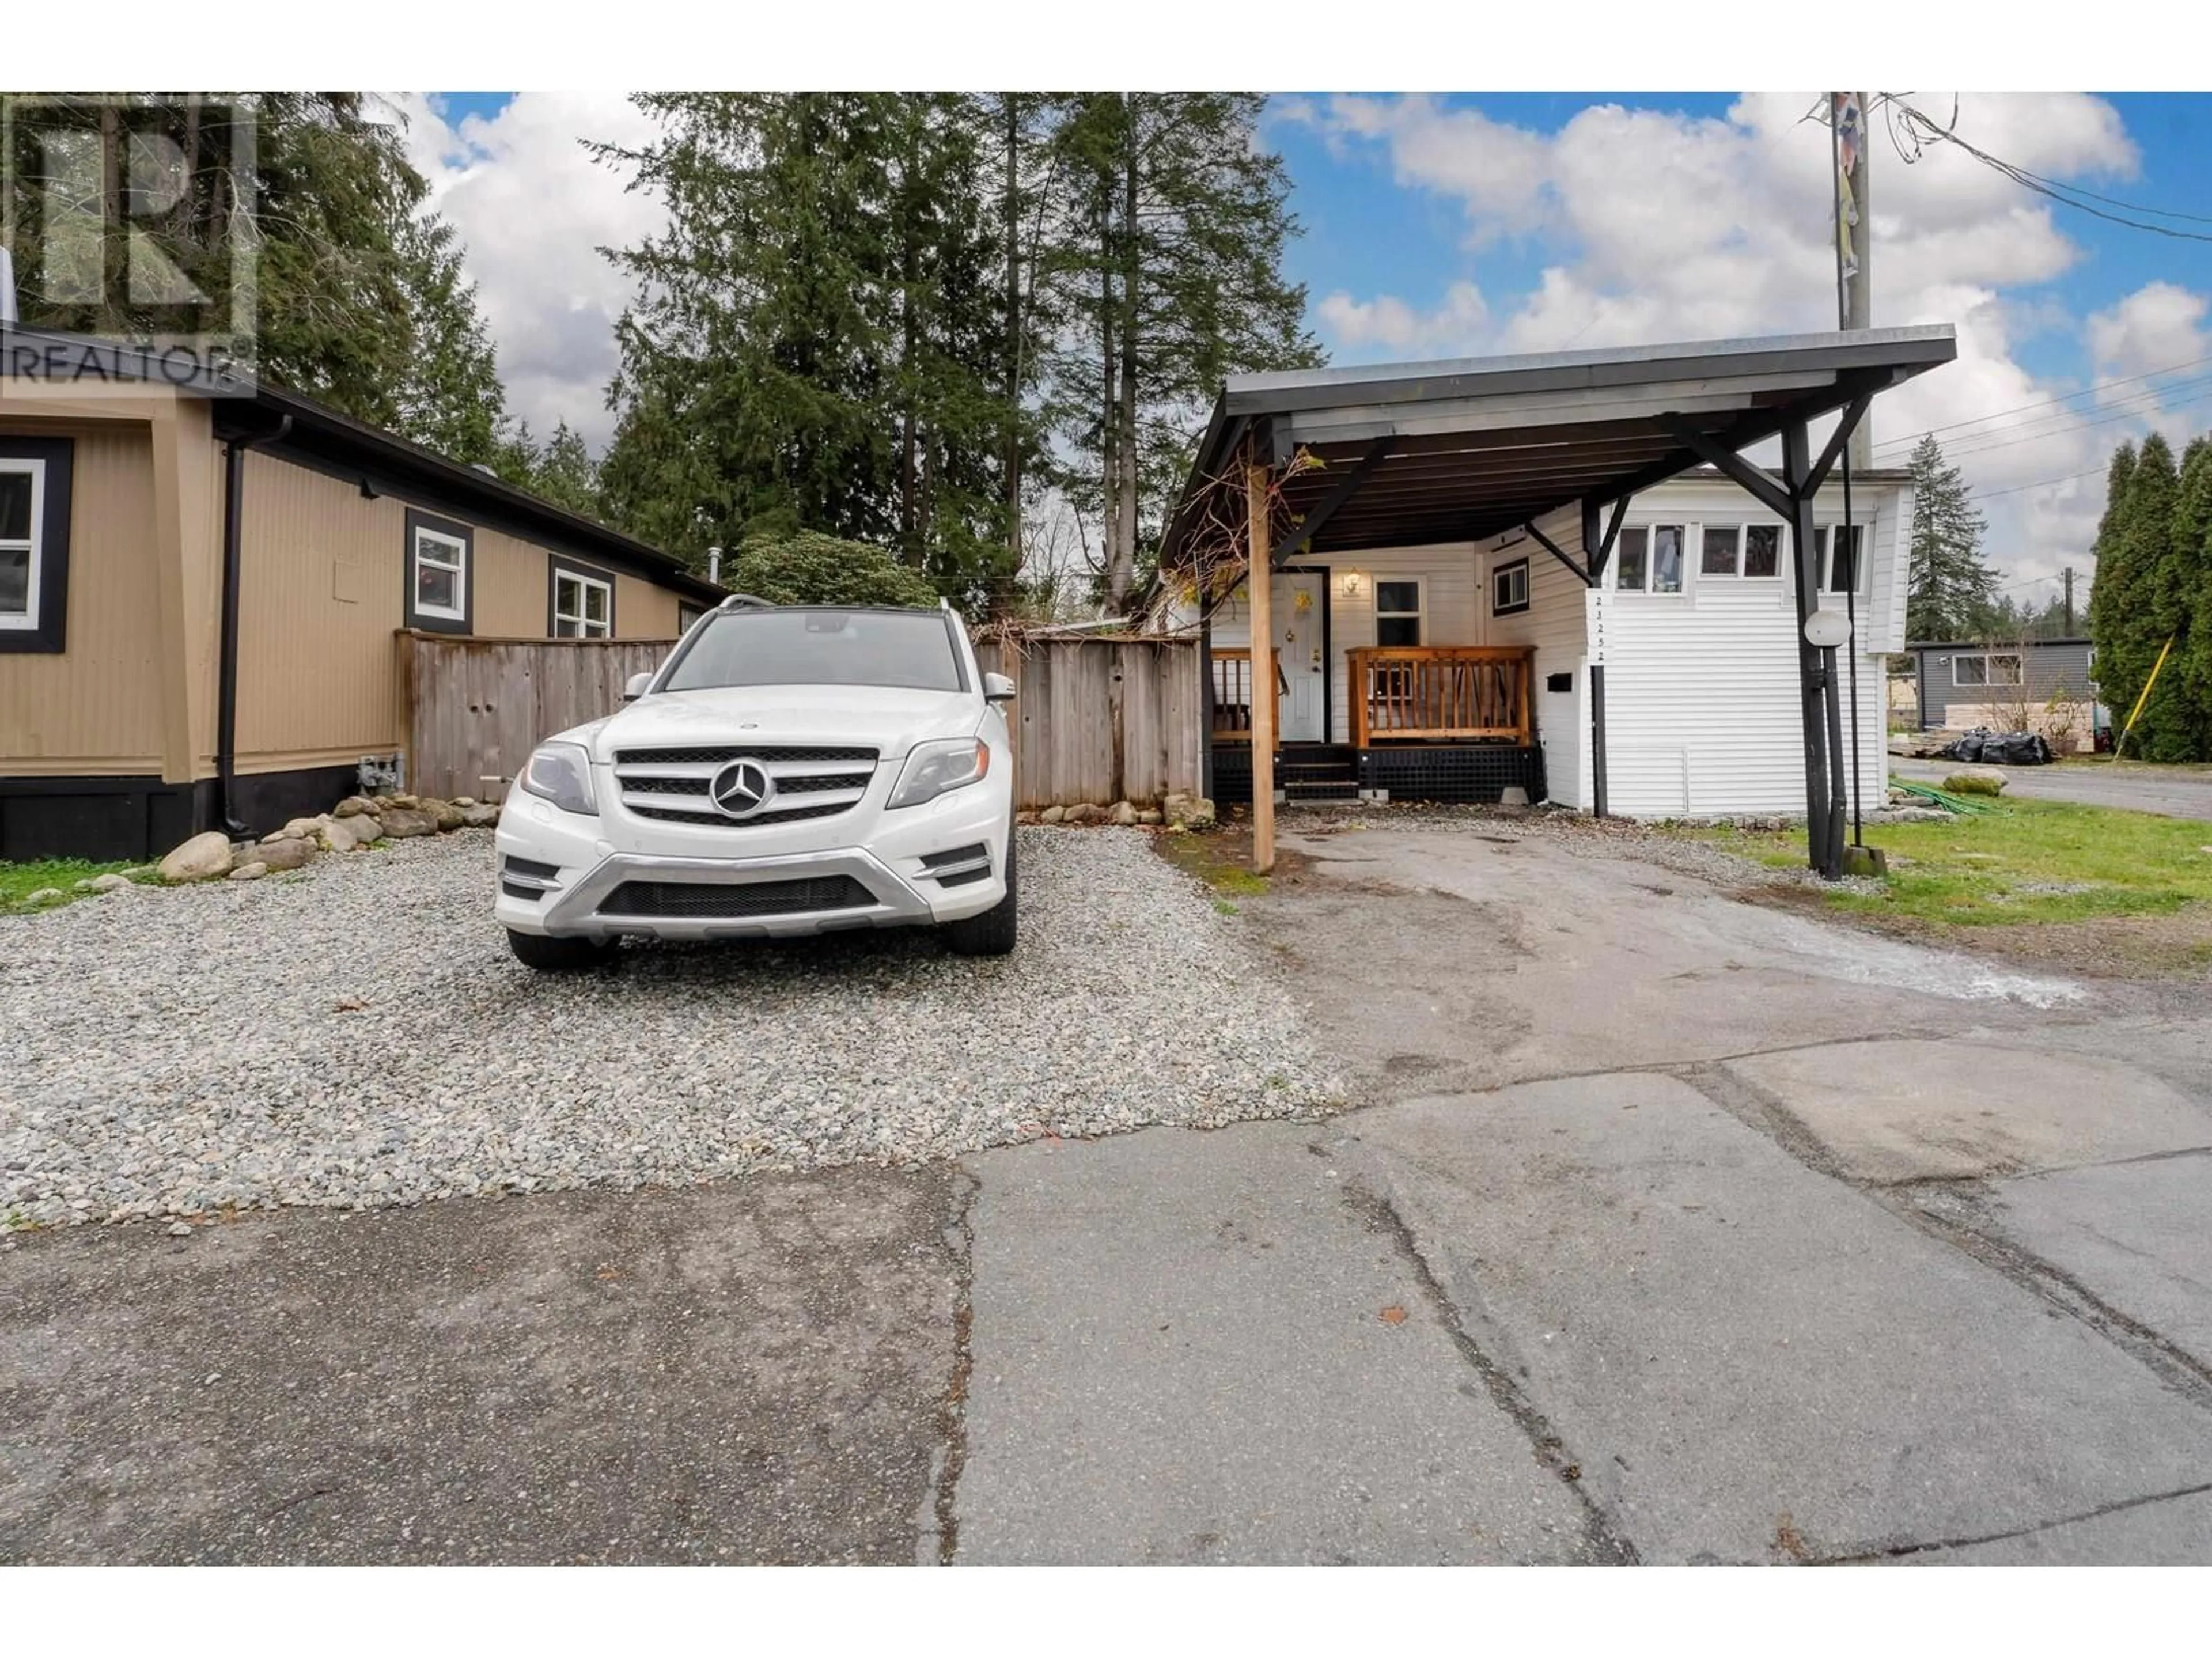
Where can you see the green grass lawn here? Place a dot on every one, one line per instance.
(19, 881)
(2022, 861)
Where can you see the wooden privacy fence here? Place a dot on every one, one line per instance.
(1101, 720)
(1098, 719)
(477, 707)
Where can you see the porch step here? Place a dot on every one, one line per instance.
(1308, 774)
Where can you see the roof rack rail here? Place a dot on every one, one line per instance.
(746, 602)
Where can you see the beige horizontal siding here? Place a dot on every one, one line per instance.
(95, 707)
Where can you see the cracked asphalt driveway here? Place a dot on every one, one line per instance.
(1662, 1228)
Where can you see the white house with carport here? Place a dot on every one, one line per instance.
(1558, 573)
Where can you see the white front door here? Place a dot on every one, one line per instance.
(1298, 599)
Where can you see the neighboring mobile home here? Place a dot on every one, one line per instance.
(201, 593)
(1962, 685)
(1557, 573)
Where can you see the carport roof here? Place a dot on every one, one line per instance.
(1460, 450)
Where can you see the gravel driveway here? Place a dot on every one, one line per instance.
(359, 1035)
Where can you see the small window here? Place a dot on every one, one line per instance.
(1509, 588)
(1840, 575)
(34, 507)
(1723, 546)
(583, 604)
(22, 483)
(1746, 549)
(1986, 668)
(1398, 613)
(439, 586)
(1762, 549)
(1649, 559)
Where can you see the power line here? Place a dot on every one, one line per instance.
(1924, 128)
(2065, 428)
(2018, 409)
(2040, 483)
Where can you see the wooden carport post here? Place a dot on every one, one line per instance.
(1259, 580)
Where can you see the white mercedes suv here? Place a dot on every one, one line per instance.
(789, 769)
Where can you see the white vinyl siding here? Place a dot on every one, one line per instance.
(1701, 693)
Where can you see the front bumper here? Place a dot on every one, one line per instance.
(571, 880)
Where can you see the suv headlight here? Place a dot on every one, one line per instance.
(944, 764)
(561, 773)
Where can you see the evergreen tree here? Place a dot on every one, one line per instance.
(359, 300)
(2136, 605)
(807, 567)
(818, 342)
(1167, 270)
(1952, 594)
(2189, 580)
(561, 469)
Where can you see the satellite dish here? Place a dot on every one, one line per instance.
(1827, 630)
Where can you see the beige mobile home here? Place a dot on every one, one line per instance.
(203, 591)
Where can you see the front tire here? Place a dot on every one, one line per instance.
(990, 933)
(560, 956)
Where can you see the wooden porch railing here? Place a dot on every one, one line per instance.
(1409, 692)
(1232, 693)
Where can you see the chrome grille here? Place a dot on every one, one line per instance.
(671, 784)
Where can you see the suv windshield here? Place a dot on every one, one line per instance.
(820, 648)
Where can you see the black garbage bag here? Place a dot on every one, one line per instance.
(1988, 748)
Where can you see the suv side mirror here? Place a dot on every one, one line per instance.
(635, 687)
(997, 688)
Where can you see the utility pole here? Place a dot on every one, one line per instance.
(2067, 577)
(1847, 122)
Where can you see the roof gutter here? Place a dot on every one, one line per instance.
(225, 717)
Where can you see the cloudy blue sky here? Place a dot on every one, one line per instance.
(1480, 223)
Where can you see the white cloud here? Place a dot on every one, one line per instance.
(532, 209)
(1451, 330)
(1656, 225)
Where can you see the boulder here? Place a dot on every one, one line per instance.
(1123, 814)
(409, 803)
(253, 871)
(1084, 812)
(344, 834)
(351, 806)
(296, 827)
(1976, 781)
(1184, 811)
(444, 814)
(285, 854)
(1149, 815)
(203, 857)
(1052, 815)
(401, 823)
(484, 815)
(45, 896)
(110, 883)
(464, 802)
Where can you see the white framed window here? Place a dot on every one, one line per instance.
(22, 524)
(583, 606)
(1842, 563)
(1753, 551)
(1980, 668)
(441, 574)
(1509, 588)
(1648, 558)
(1398, 611)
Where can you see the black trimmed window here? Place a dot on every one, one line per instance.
(1509, 588)
(440, 571)
(34, 542)
(579, 601)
